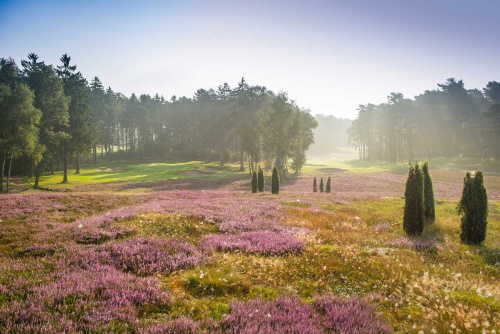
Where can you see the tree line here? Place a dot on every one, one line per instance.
(448, 121)
(52, 116)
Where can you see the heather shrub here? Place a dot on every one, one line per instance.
(263, 242)
(473, 207)
(413, 219)
(181, 325)
(275, 181)
(351, 315)
(254, 182)
(98, 299)
(283, 315)
(149, 256)
(328, 185)
(91, 235)
(39, 250)
(315, 185)
(430, 211)
(260, 180)
(328, 314)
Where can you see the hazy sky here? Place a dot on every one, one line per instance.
(330, 56)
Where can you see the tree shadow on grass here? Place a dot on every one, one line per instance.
(201, 183)
(490, 256)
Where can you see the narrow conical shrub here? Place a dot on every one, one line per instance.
(328, 185)
(321, 185)
(413, 219)
(473, 207)
(315, 186)
(260, 180)
(275, 181)
(430, 211)
(254, 182)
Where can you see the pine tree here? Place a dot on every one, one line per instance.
(260, 180)
(473, 207)
(328, 185)
(50, 99)
(321, 185)
(275, 181)
(315, 186)
(430, 212)
(413, 219)
(254, 182)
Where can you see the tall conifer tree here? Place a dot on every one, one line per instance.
(51, 101)
(254, 182)
(260, 180)
(473, 207)
(413, 219)
(275, 181)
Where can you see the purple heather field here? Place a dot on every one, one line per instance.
(83, 262)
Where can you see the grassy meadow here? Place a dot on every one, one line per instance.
(184, 247)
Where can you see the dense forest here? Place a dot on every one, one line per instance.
(448, 121)
(52, 116)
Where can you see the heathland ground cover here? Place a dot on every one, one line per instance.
(186, 247)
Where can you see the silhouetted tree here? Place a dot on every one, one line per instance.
(473, 207)
(321, 185)
(275, 181)
(260, 180)
(315, 185)
(254, 182)
(328, 185)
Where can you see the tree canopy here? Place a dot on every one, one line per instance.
(247, 123)
(448, 121)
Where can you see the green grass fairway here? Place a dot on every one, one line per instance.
(127, 171)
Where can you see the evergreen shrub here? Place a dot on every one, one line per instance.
(473, 207)
(413, 219)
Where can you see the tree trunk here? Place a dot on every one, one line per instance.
(8, 175)
(65, 167)
(94, 155)
(236, 146)
(77, 162)
(2, 169)
(38, 173)
(242, 163)
(31, 169)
